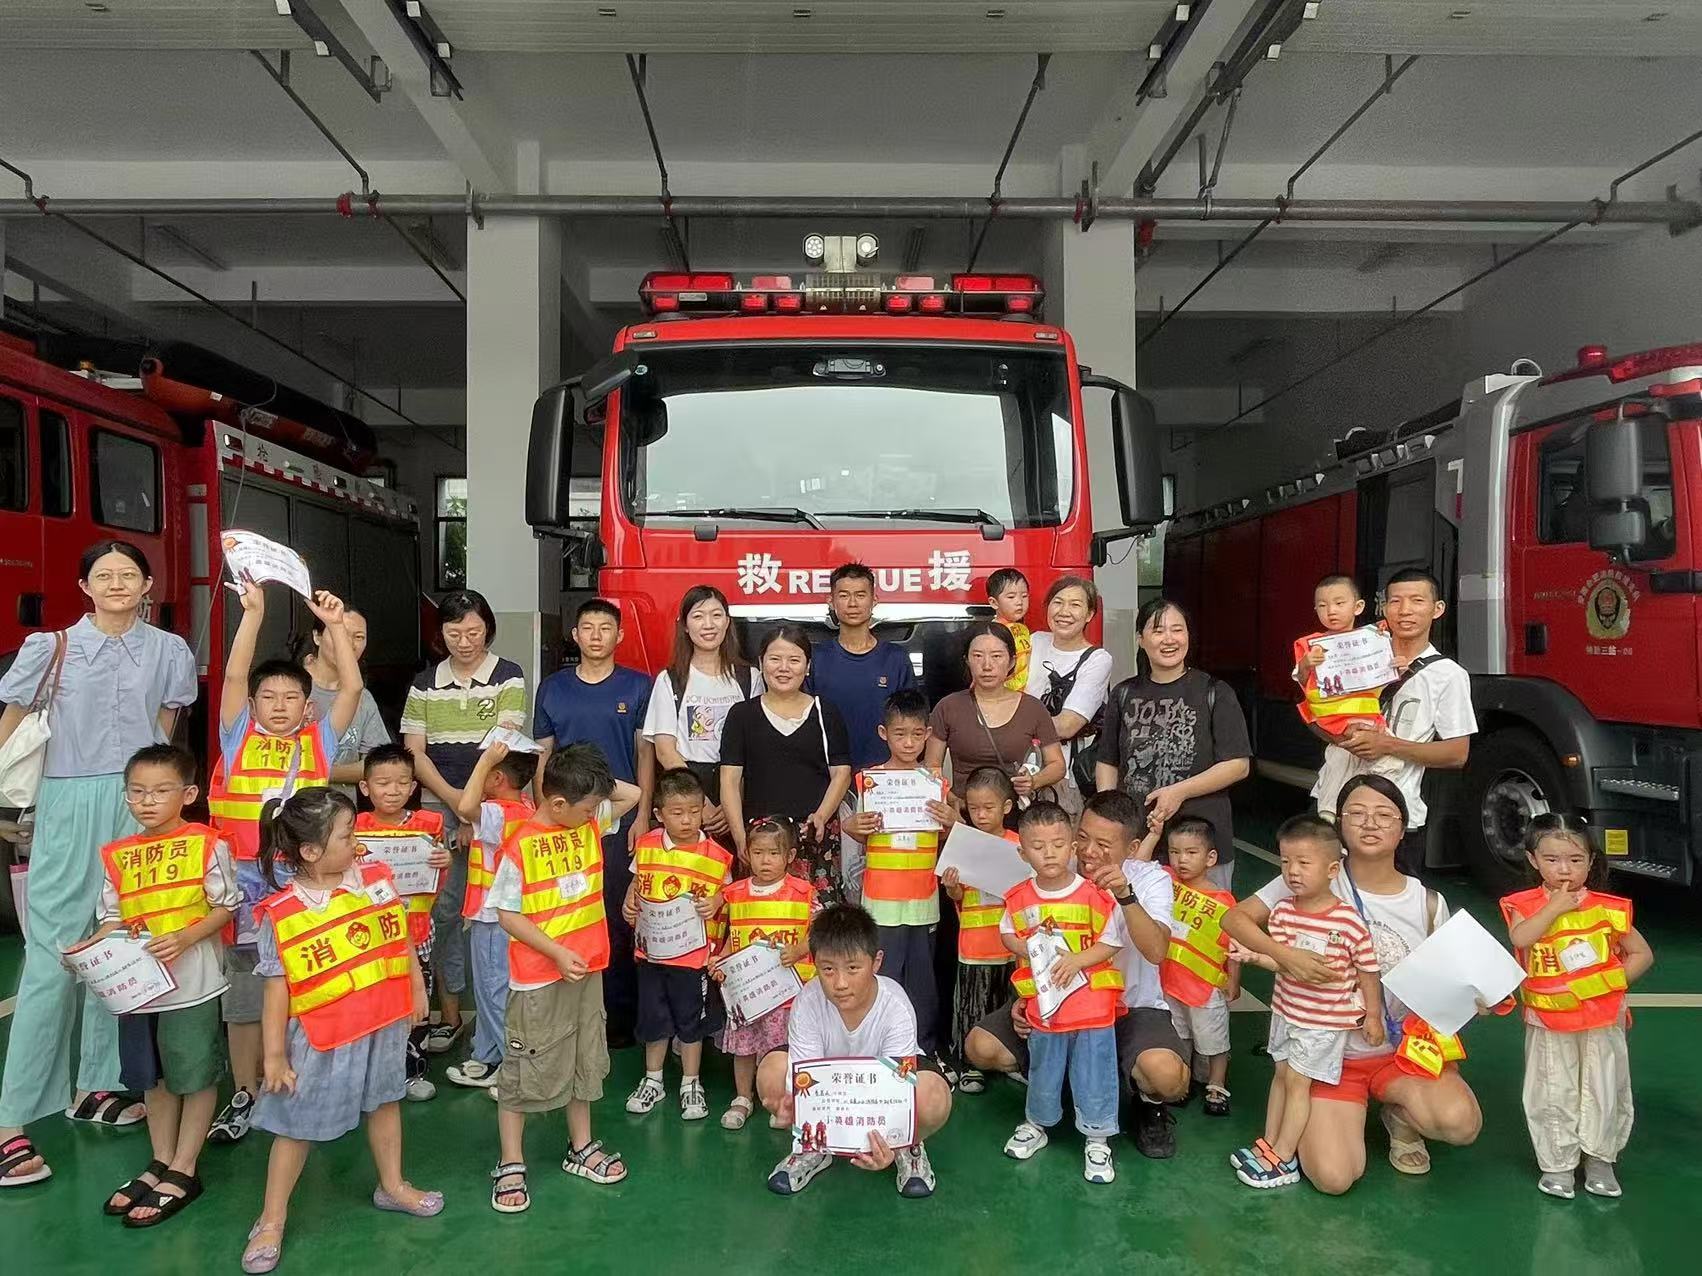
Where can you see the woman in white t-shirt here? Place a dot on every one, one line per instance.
(1401, 913)
(685, 727)
(1070, 676)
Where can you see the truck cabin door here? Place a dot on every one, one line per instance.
(1619, 636)
(1400, 528)
(22, 601)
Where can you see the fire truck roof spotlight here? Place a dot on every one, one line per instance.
(815, 247)
(868, 248)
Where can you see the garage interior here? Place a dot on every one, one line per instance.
(422, 215)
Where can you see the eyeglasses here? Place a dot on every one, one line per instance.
(1371, 819)
(135, 793)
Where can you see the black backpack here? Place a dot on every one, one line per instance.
(1082, 751)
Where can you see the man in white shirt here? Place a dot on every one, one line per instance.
(848, 1011)
(1429, 712)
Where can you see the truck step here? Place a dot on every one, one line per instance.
(1650, 868)
(1653, 790)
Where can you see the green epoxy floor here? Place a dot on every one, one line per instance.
(696, 1195)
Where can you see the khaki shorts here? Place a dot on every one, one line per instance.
(555, 1046)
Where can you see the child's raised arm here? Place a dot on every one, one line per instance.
(239, 660)
(1525, 931)
(327, 608)
(1149, 844)
(470, 799)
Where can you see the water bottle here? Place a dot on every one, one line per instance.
(1031, 764)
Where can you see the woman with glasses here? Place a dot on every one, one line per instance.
(121, 683)
(1401, 914)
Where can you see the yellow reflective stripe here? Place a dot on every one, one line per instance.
(419, 903)
(1353, 703)
(985, 915)
(656, 860)
(340, 905)
(898, 860)
(1066, 913)
(1107, 976)
(365, 975)
(1024, 985)
(1601, 983)
(1190, 960)
(572, 920)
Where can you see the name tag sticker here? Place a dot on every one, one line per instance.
(571, 885)
(1578, 955)
(1311, 944)
(381, 893)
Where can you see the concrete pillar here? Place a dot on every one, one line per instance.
(513, 351)
(1090, 285)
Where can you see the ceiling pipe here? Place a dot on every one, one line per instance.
(1679, 214)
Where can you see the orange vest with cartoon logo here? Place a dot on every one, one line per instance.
(347, 965)
(262, 766)
(779, 919)
(1080, 917)
(368, 829)
(662, 873)
(978, 915)
(561, 893)
(1334, 714)
(481, 859)
(161, 878)
(1573, 977)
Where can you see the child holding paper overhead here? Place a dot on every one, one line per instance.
(1580, 952)
(1076, 927)
(172, 881)
(983, 964)
(388, 783)
(675, 1001)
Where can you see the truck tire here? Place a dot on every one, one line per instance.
(1510, 777)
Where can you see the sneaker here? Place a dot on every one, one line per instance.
(1155, 1129)
(971, 1081)
(1021, 1078)
(693, 1105)
(1266, 1171)
(649, 1093)
(915, 1174)
(794, 1172)
(948, 1070)
(1097, 1166)
(1560, 1185)
(232, 1122)
(474, 1074)
(1217, 1101)
(419, 1090)
(441, 1036)
(1599, 1178)
(1025, 1142)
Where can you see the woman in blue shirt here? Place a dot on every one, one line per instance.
(121, 685)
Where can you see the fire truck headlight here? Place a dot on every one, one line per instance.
(867, 248)
(815, 248)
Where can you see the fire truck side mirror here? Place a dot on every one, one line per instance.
(1613, 473)
(549, 457)
(1135, 447)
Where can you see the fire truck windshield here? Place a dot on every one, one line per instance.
(909, 433)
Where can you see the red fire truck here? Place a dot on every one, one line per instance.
(753, 434)
(1563, 516)
(166, 462)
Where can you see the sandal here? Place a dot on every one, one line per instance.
(164, 1204)
(1407, 1152)
(429, 1205)
(520, 1196)
(737, 1113)
(258, 1259)
(595, 1163)
(133, 1191)
(971, 1081)
(107, 1107)
(16, 1151)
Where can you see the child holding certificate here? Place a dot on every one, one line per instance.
(342, 987)
(1580, 953)
(174, 882)
(388, 783)
(983, 964)
(676, 867)
(900, 889)
(1330, 713)
(769, 907)
(1064, 933)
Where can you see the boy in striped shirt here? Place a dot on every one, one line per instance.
(1310, 1022)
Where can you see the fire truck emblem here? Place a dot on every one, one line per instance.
(1607, 597)
(359, 934)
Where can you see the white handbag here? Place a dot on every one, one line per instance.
(24, 754)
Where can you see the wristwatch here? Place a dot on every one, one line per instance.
(1125, 900)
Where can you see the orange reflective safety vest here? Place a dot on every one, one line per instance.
(900, 886)
(481, 859)
(561, 893)
(262, 769)
(1196, 964)
(779, 919)
(367, 829)
(1573, 977)
(347, 965)
(1334, 714)
(161, 877)
(1423, 1051)
(663, 873)
(1080, 917)
(978, 939)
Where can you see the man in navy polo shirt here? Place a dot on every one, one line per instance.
(857, 673)
(599, 702)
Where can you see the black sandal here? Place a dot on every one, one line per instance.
(164, 1202)
(133, 1191)
(107, 1107)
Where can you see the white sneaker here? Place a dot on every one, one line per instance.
(473, 1074)
(649, 1093)
(915, 1174)
(1097, 1166)
(1026, 1141)
(419, 1090)
(794, 1172)
(693, 1105)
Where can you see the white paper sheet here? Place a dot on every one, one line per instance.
(756, 982)
(900, 798)
(1044, 948)
(990, 864)
(670, 930)
(515, 740)
(840, 1102)
(1357, 660)
(250, 555)
(406, 853)
(120, 971)
(1444, 978)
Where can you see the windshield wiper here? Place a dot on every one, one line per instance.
(765, 513)
(939, 515)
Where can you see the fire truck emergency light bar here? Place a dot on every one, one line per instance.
(670, 292)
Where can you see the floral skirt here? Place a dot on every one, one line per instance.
(818, 862)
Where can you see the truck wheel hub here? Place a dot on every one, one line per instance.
(1509, 805)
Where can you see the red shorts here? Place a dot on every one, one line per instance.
(1364, 1077)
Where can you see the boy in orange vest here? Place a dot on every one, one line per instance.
(548, 896)
(1075, 928)
(675, 1001)
(901, 890)
(1338, 604)
(388, 783)
(496, 801)
(268, 749)
(172, 881)
(1197, 975)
